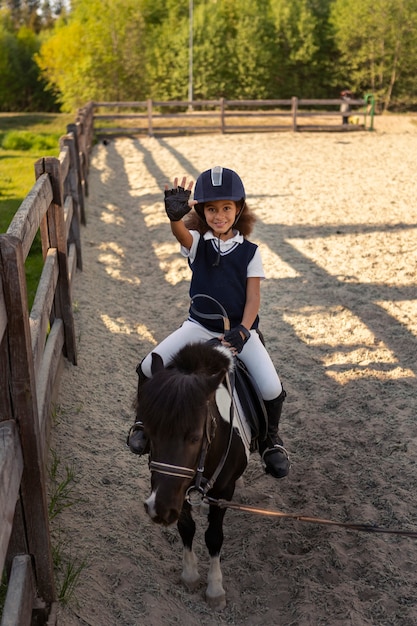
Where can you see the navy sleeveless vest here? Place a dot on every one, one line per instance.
(225, 281)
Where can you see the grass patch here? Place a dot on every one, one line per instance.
(24, 138)
(36, 122)
(61, 496)
(68, 569)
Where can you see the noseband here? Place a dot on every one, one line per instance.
(171, 470)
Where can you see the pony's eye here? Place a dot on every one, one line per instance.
(194, 438)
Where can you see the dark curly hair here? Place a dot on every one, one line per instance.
(244, 224)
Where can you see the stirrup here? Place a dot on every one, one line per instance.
(279, 472)
(135, 428)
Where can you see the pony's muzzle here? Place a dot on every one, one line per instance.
(160, 515)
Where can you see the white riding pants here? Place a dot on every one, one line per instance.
(254, 355)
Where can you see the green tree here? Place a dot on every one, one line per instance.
(296, 47)
(255, 50)
(24, 13)
(215, 61)
(168, 49)
(20, 86)
(166, 54)
(8, 69)
(377, 41)
(96, 54)
(232, 53)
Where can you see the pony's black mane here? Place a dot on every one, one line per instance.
(205, 358)
(174, 398)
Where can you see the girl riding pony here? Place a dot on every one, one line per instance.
(227, 267)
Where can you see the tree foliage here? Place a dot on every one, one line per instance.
(121, 50)
(377, 40)
(21, 88)
(97, 54)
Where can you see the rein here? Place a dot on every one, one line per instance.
(203, 490)
(368, 528)
(211, 316)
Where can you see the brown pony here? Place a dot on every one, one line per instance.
(194, 451)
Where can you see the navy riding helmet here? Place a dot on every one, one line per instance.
(218, 183)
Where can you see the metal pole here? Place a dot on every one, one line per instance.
(190, 58)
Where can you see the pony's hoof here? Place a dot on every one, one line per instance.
(216, 603)
(191, 583)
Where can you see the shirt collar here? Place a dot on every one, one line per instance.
(237, 237)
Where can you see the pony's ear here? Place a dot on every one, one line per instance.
(214, 380)
(157, 363)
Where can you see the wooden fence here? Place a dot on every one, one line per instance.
(226, 116)
(32, 346)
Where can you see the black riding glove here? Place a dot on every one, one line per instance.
(176, 203)
(234, 337)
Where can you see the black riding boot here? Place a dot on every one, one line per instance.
(136, 438)
(274, 455)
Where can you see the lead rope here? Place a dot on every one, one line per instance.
(368, 528)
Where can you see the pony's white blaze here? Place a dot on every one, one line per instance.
(150, 505)
(215, 594)
(189, 575)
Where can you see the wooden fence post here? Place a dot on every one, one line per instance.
(72, 189)
(89, 131)
(84, 124)
(294, 109)
(222, 115)
(82, 185)
(25, 412)
(150, 127)
(5, 406)
(58, 240)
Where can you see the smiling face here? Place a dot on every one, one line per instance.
(220, 216)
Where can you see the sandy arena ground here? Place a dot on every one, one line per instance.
(337, 226)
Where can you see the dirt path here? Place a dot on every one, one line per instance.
(338, 232)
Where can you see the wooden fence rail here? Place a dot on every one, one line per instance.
(226, 116)
(32, 346)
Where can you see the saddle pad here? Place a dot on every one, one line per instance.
(240, 422)
(251, 401)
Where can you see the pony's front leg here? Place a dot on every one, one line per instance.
(186, 527)
(215, 594)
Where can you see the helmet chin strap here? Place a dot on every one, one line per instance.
(217, 261)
